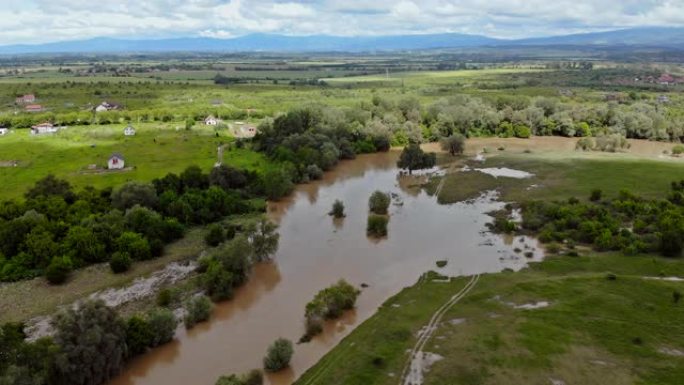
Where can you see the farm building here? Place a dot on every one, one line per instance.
(33, 108)
(129, 131)
(44, 128)
(211, 121)
(115, 162)
(106, 106)
(25, 99)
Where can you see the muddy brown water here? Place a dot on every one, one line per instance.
(316, 251)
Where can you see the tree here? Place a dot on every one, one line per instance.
(279, 355)
(218, 282)
(227, 177)
(49, 186)
(264, 240)
(454, 144)
(58, 270)
(377, 225)
(163, 325)
(135, 193)
(193, 178)
(379, 202)
(337, 209)
(277, 184)
(83, 245)
(139, 335)
(92, 341)
(414, 158)
(197, 310)
(134, 245)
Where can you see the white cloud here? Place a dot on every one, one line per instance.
(35, 21)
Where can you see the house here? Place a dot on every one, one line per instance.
(44, 128)
(663, 99)
(34, 108)
(106, 106)
(248, 131)
(129, 131)
(211, 121)
(25, 99)
(115, 162)
(666, 79)
(3, 131)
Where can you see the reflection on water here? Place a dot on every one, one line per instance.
(315, 251)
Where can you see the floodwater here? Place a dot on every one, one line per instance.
(315, 251)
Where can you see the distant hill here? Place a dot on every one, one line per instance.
(656, 37)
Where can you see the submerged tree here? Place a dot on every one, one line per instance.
(337, 209)
(414, 158)
(454, 144)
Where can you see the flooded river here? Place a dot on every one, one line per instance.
(316, 251)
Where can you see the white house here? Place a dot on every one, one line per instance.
(115, 162)
(211, 121)
(3, 131)
(106, 106)
(129, 131)
(44, 128)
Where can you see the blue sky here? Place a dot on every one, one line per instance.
(38, 21)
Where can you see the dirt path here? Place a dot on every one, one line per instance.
(412, 374)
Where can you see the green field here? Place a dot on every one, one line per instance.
(594, 331)
(154, 151)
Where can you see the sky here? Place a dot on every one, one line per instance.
(40, 21)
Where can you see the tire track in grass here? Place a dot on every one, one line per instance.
(430, 329)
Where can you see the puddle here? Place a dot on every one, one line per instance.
(420, 364)
(504, 172)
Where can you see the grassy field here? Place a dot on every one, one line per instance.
(594, 331)
(154, 151)
(559, 172)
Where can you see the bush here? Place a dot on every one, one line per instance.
(163, 325)
(58, 270)
(254, 377)
(166, 297)
(120, 262)
(676, 296)
(218, 282)
(414, 158)
(596, 195)
(337, 209)
(379, 202)
(197, 310)
(279, 355)
(678, 150)
(314, 172)
(454, 144)
(377, 225)
(328, 303)
(215, 235)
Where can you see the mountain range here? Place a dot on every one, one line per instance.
(672, 38)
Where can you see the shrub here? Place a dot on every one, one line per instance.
(585, 144)
(377, 225)
(454, 144)
(120, 262)
(58, 270)
(163, 325)
(218, 282)
(198, 309)
(379, 202)
(328, 303)
(414, 158)
(611, 277)
(215, 235)
(337, 209)
(166, 297)
(441, 263)
(676, 296)
(596, 195)
(553, 248)
(279, 355)
(254, 377)
(678, 150)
